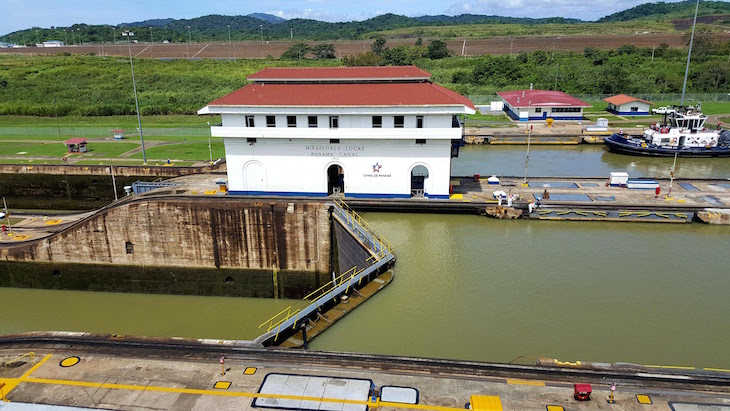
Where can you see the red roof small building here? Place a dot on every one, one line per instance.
(76, 145)
(524, 105)
(118, 134)
(623, 104)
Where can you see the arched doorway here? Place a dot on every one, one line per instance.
(335, 180)
(419, 175)
(254, 176)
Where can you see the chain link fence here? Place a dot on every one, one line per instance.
(653, 97)
(98, 132)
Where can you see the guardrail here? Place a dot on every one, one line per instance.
(30, 355)
(382, 253)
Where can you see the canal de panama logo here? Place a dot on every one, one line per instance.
(376, 171)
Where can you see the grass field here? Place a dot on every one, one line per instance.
(56, 149)
(128, 123)
(189, 151)
(490, 30)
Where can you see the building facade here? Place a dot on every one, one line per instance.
(622, 104)
(530, 105)
(373, 132)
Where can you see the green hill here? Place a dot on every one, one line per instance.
(662, 10)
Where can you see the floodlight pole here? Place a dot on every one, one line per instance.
(689, 54)
(129, 34)
(527, 157)
(229, 34)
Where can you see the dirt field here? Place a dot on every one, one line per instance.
(494, 45)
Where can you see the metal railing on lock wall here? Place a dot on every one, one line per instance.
(381, 249)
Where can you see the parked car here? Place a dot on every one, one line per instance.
(663, 110)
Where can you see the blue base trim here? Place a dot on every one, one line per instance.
(628, 113)
(277, 193)
(514, 116)
(314, 194)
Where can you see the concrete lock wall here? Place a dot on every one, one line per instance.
(190, 246)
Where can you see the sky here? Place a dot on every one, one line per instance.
(22, 14)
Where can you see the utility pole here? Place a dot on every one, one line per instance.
(689, 54)
(261, 26)
(129, 34)
(527, 157)
(114, 30)
(7, 215)
(291, 33)
(114, 182)
(190, 39)
(151, 39)
(671, 175)
(652, 52)
(229, 35)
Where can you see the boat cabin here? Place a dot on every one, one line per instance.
(686, 129)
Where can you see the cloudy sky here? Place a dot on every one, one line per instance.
(21, 14)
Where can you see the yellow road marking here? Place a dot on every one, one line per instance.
(526, 382)
(222, 385)
(678, 367)
(193, 391)
(69, 362)
(210, 192)
(456, 197)
(249, 371)
(11, 383)
(555, 408)
(53, 222)
(643, 399)
(653, 366)
(35, 367)
(717, 369)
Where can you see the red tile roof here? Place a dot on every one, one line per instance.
(541, 98)
(75, 140)
(340, 73)
(348, 94)
(620, 99)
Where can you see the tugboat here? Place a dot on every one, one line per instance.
(684, 135)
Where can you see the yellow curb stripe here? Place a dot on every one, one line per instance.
(35, 367)
(193, 391)
(526, 382)
(717, 369)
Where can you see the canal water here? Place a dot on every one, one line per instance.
(583, 160)
(469, 287)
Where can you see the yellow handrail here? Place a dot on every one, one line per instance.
(31, 355)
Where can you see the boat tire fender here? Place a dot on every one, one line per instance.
(643, 145)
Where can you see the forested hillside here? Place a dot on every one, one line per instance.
(92, 85)
(664, 10)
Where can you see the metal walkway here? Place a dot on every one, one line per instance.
(381, 255)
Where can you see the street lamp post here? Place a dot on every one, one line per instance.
(114, 30)
(229, 34)
(190, 39)
(65, 37)
(261, 26)
(152, 40)
(129, 34)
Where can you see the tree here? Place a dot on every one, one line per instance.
(3, 83)
(297, 51)
(378, 46)
(324, 51)
(419, 42)
(363, 59)
(437, 50)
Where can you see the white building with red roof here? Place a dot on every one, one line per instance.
(530, 105)
(379, 132)
(624, 105)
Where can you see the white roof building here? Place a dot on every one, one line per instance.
(378, 132)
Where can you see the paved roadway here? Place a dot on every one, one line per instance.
(70, 376)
